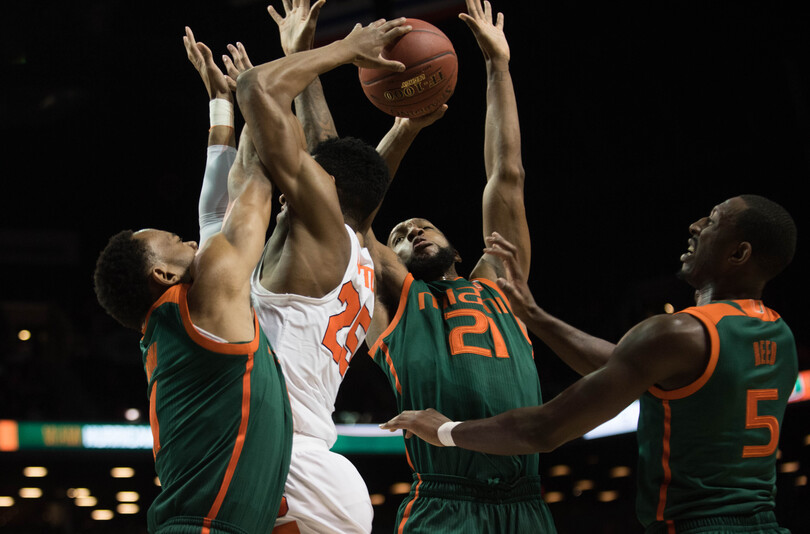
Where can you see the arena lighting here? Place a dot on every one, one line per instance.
(102, 515)
(30, 493)
(352, 439)
(6, 501)
(35, 472)
(122, 472)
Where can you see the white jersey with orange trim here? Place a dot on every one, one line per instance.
(315, 338)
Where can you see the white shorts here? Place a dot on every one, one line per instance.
(324, 493)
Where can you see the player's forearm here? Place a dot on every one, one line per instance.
(313, 112)
(518, 431)
(582, 352)
(283, 79)
(395, 144)
(502, 152)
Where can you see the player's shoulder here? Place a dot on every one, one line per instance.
(667, 332)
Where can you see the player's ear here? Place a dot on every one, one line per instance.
(164, 276)
(457, 257)
(741, 254)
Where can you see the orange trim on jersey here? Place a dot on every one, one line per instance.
(154, 424)
(390, 363)
(403, 299)
(287, 528)
(170, 295)
(755, 308)
(238, 444)
(407, 513)
(208, 343)
(665, 450)
(709, 317)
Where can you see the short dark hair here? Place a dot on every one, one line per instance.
(771, 231)
(361, 174)
(121, 279)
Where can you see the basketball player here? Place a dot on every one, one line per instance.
(219, 412)
(713, 385)
(313, 289)
(452, 342)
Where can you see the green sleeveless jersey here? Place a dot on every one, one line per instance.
(221, 425)
(456, 346)
(709, 448)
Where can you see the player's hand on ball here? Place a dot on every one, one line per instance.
(367, 43)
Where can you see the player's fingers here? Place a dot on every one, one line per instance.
(287, 6)
(205, 52)
(278, 19)
(474, 8)
(245, 58)
(487, 11)
(499, 22)
(315, 10)
(231, 83)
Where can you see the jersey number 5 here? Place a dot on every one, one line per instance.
(351, 316)
(754, 420)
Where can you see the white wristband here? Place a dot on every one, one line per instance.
(445, 433)
(220, 111)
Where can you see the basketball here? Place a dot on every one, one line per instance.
(429, 78)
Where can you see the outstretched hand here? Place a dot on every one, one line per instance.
(367, 43)
(203, 60)
(423, 423)
(297, 27)
(239, 64)
(514, 285)
(488, 32)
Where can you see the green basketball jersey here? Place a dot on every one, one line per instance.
(456, 346)
(221, 425)
(709, 448)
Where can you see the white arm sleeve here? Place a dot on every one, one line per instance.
(214, 193)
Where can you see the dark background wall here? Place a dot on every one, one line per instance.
(636, 119)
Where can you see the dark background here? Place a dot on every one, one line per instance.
(637, 118)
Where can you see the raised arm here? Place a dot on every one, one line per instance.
(219, 299)
(265, 94)
(297, 32)
(503, 204)
(582, 352)
(221, 149)
(656, 351)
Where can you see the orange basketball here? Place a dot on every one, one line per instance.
(429, 78)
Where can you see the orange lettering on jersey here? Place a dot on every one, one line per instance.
(451, 298)
(470, 298)
(367, 273)
(351, 316)
(764, 352)
(423, 295)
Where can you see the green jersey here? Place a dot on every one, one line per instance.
(456, 346)
(221, 425)
(709, 449)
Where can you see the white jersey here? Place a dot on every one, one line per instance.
(315, 338)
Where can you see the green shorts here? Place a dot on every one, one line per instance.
(440, 504)
(761, 523)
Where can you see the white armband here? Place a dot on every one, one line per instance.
(220, 112)
(445, 433)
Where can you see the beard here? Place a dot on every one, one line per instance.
(432, 267)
